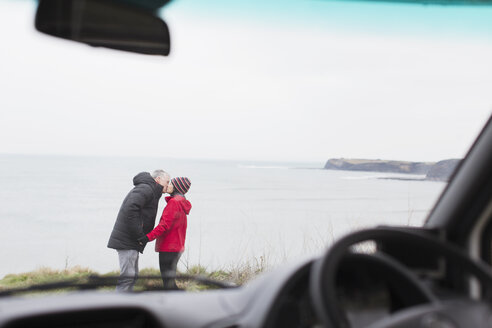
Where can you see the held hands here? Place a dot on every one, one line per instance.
(143, 240)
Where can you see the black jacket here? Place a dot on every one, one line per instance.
(137, 213)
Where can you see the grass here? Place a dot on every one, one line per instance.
(43, 276)
(237, 275)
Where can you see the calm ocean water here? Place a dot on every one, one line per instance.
(58, 211)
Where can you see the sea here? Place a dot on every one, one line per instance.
(58, 211)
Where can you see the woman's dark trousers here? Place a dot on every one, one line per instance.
(168, 261)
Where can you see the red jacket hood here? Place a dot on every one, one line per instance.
(181, 202)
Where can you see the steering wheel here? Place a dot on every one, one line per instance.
(431, 313)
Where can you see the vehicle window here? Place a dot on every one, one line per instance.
(252, 103)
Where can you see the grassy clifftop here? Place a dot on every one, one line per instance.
(238, 276)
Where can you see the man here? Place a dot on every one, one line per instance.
(135, 219)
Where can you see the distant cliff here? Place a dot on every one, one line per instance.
(440, 171)
(378, 165)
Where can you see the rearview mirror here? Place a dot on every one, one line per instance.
(104, 23)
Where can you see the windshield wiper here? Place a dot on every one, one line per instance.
(95, 282)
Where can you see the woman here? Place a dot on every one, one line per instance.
(171, 230)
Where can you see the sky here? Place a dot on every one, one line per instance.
(258, 80)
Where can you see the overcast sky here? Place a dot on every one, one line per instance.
(305, 81)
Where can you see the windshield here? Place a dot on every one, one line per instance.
(285, 115)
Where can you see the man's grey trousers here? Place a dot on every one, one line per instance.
(128, 270)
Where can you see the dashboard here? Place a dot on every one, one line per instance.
(345, 287)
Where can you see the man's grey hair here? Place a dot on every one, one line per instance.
(160, 173)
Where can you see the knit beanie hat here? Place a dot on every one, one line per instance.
(181, 184)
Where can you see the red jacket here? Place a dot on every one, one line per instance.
(171, 230)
